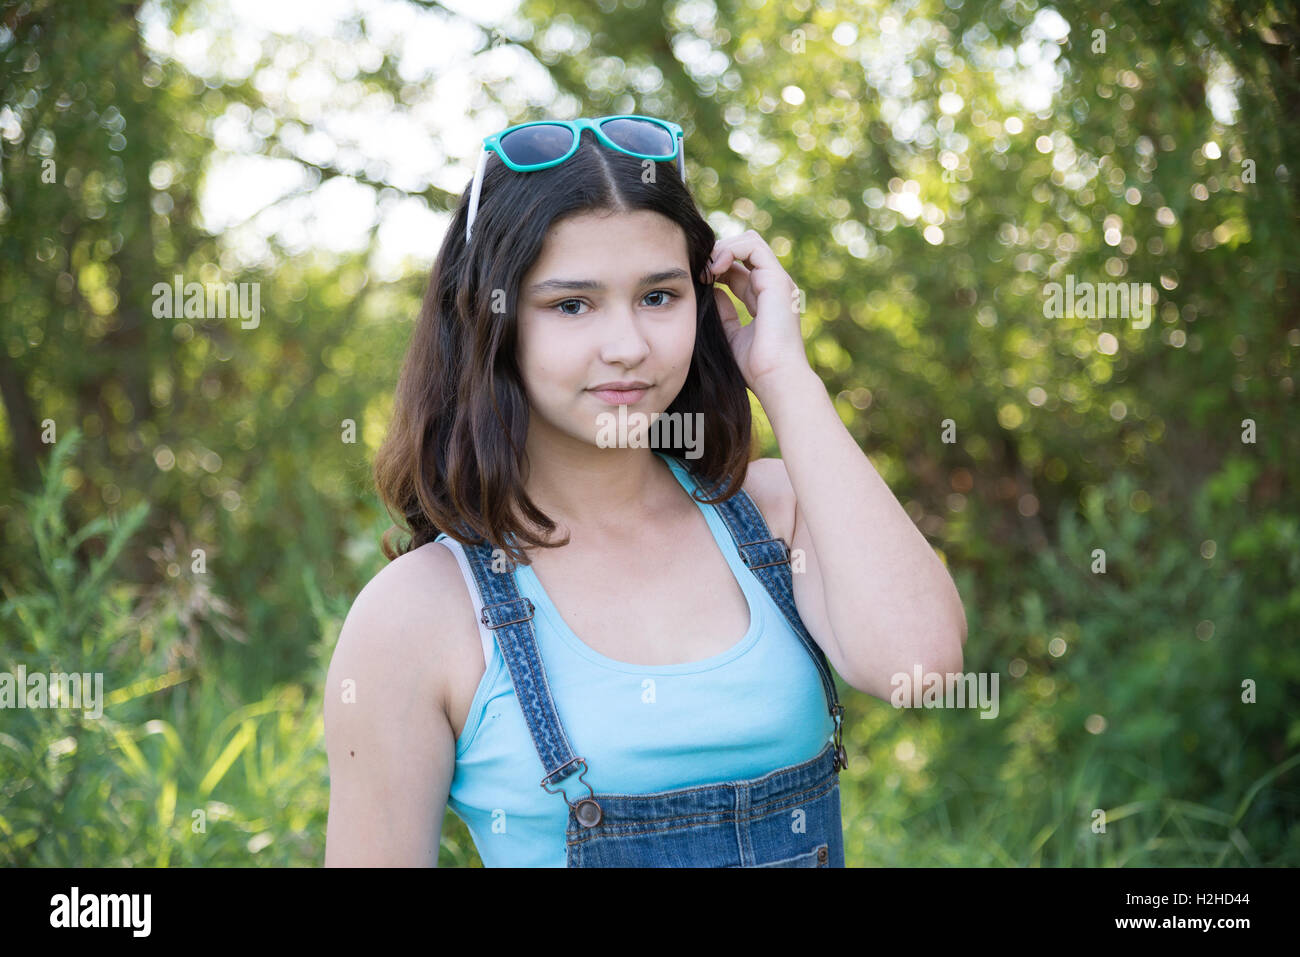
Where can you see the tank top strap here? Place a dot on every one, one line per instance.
(768, 559)
(486, 637)
(510, 615)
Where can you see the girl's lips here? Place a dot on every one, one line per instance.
(619, 396)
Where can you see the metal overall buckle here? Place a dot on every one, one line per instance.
(841, 756)
(513, 621)
(587, 811)
(783, 560)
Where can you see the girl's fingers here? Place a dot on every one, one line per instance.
(727, 313)
(750, 247)
(764, 277)
(736, 275)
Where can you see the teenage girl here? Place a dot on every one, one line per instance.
(606, 644)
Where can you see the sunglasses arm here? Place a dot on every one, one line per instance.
(681, 158)
(474, 193)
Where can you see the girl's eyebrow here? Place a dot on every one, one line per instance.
(554, 285)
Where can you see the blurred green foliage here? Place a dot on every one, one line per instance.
(176, 770)
(886, 155)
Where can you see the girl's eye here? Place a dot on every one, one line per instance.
(658, 292)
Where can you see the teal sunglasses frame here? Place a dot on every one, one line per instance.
(493, 144)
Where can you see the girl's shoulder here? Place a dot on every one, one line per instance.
(416, 614)
(768, 484)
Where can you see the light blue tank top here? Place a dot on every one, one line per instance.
(755, 707)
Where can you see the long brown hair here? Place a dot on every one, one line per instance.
(453, 459)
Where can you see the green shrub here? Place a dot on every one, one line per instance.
(176, 771)
(1128, 701)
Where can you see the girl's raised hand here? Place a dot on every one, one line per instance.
(772, 345)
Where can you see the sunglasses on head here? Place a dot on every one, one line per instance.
(546, 143)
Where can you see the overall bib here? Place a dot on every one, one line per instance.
(789, 817)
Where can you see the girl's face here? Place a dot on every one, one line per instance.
(609, 300)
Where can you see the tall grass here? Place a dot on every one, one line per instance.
(177, 771)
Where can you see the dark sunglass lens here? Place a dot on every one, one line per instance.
(537, 144)
(641, 136)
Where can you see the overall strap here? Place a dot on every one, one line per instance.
(510, 616)
(769, 559)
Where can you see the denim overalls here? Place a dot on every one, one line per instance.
(789, 817)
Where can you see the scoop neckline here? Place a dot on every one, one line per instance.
(576, 644)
